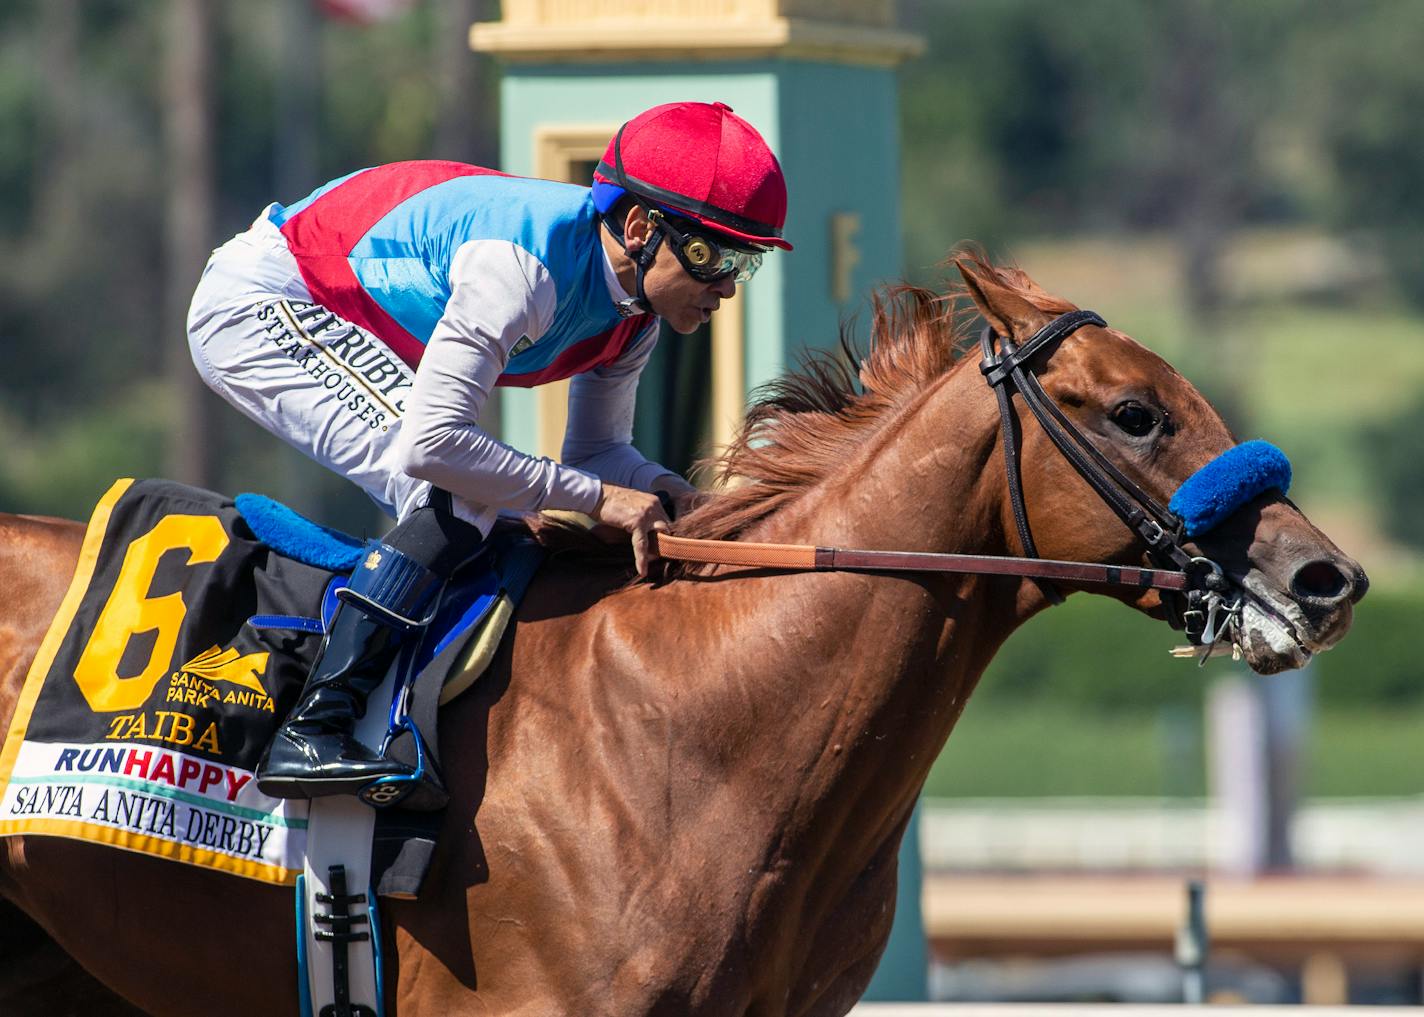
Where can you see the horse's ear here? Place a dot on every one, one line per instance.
(1003, 306)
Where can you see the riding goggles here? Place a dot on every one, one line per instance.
(704, 258)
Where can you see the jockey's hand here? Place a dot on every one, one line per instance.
(635, 512)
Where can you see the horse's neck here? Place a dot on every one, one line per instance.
(877, 668)
(916, 484)
(37, 558)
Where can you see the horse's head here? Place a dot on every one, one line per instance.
(1295, 588)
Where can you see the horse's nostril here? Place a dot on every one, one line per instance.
(1320, 580)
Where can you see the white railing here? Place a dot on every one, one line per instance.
(1379, 836)
(1112, 1010)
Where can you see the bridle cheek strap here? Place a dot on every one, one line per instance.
(1209, 496)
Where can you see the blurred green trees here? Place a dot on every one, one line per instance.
(1369, 82)
(83, 182)
(1029, 118)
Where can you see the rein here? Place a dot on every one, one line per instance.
(808, 558)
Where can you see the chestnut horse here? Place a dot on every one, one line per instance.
(687, 797)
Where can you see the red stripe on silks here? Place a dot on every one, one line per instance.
(584, 355)
(335, 222)
(322, 236)
(333, 285)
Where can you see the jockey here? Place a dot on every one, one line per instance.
(367, 323)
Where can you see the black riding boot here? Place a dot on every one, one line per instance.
(315, 753)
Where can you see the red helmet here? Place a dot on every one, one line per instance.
(702, 161)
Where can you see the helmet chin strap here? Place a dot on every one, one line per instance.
(642, 261)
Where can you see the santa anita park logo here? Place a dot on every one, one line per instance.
(196, 682)
(214, 678)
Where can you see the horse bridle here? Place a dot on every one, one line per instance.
(1007, 370)
(1195, 589)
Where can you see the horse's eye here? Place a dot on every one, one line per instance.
(1134, 418)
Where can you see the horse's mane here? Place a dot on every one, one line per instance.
(801, 427)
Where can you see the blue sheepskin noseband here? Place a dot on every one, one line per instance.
(1222, 486)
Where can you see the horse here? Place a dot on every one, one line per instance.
(686, 796)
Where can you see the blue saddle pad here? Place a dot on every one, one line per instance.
(292, 534)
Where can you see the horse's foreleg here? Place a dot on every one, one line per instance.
(844, 991)
(858, 927)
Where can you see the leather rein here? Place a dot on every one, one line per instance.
(1008, 371)
(808, 558)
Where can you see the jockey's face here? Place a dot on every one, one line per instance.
(683, 302)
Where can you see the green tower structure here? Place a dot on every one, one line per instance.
(817, 78)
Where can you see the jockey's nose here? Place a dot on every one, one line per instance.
(725, 287)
